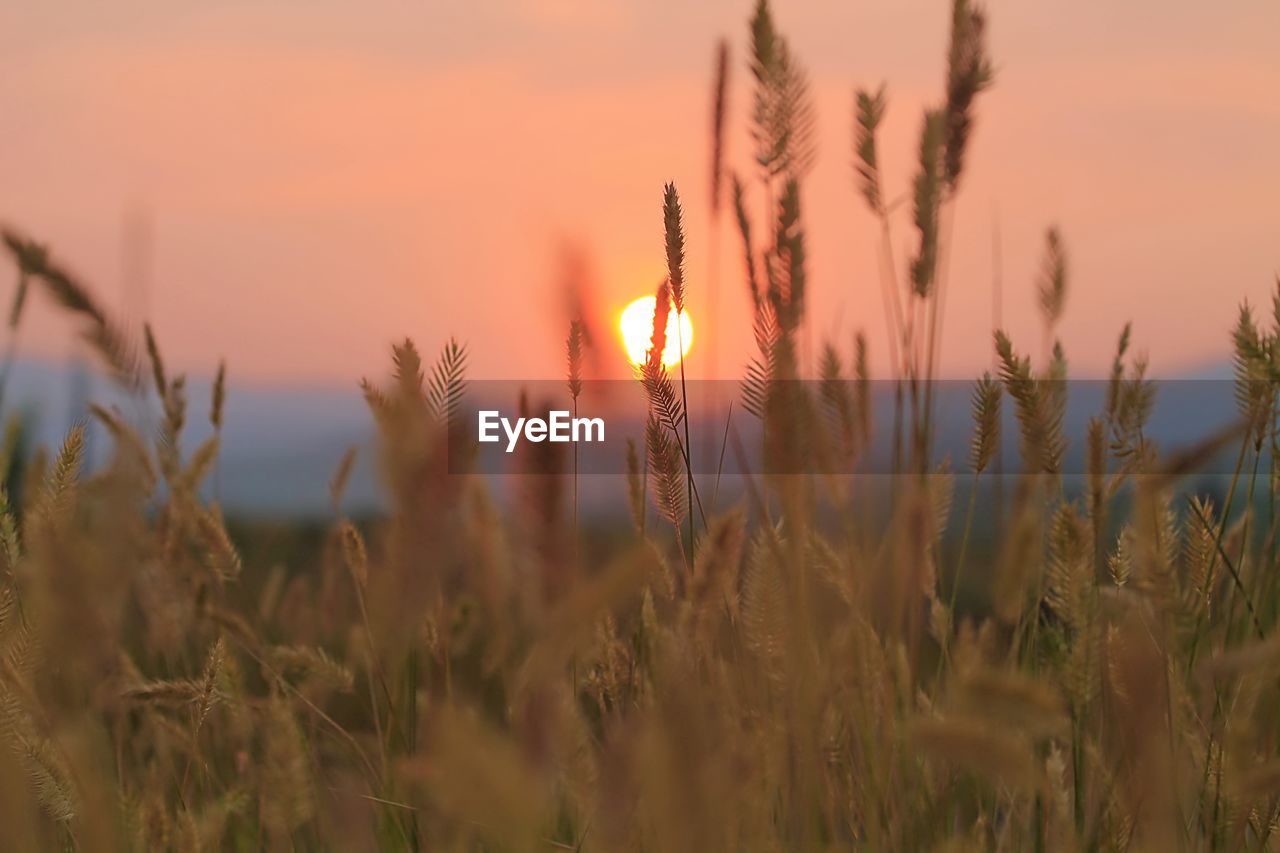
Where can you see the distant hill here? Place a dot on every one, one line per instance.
(281, 443)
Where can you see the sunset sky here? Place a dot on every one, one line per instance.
(296, 185)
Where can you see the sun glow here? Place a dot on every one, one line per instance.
(636, 325)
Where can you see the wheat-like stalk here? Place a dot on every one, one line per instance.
(1116, 376)
(1255, 387)
(927, 196)
(969, 72)
(341, 476)
(1040, 406)
(219, 397)
(1069, 569)
(663, 401)
(744, 229)
(31, 258)
(1053, 278)
(103, 334)
(986, 423)
(666, 473)
(58, 493)
(719, 109)
(783, 121)
(313, 665)
(786, 263)
(446, 387)
(765, 626)
(10, 545)
(635, 486)
(673, 233)
(573, 346)
(158, 375)
(838, 404)
(762, 370)
(714, 584)
(868, 111)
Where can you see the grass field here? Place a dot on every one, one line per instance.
(789, 673)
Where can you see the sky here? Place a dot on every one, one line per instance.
(294, 186)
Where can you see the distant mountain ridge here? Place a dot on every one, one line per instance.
(281, 443)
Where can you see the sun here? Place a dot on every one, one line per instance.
(636, 324)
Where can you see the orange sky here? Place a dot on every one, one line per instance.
(317, 179)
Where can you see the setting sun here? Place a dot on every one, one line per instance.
(636, 324)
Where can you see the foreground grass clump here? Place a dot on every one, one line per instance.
(790, 674)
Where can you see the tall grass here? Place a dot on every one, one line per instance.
(793, 673)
